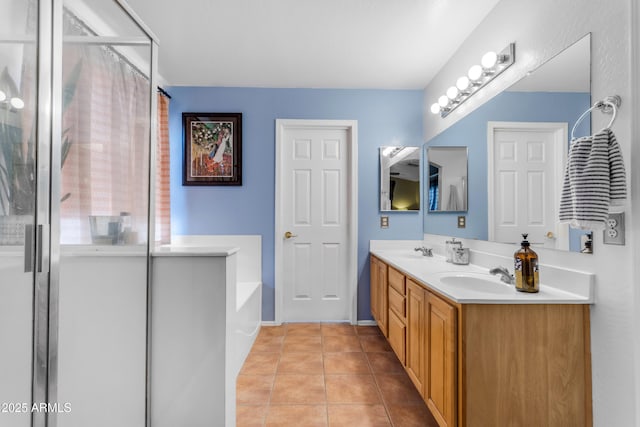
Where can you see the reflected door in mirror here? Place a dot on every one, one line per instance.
(400, 179)
(447, 176)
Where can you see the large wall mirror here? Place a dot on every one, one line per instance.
(400, 179)
(517, 146)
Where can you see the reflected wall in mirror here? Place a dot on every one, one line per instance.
(447, 178)
(400, 179)
(517, 143)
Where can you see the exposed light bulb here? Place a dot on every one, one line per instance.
(475, 73)
(463, 83)
(3, 96)
(452, 92)
(435, 108)
(17, 103)
(443, 101)
(489, 60)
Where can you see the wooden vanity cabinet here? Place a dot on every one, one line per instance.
(440, 385)
(416, 335)
(379, 294)
(488, 364)
(397, 313)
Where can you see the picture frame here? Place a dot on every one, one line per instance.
(212, 148)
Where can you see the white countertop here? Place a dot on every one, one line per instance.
(212, 251)
(428, 270)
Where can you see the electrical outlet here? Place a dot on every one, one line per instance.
(462, 221)
(384, 222)
(614, 231)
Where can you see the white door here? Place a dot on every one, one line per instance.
(315, 221)
(526, 162)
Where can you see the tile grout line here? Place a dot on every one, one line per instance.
(375, 380)
(273, 385)
(324, 377)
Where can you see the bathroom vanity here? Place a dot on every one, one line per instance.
(479, 352)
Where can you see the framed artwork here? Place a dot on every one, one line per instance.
(212, 148)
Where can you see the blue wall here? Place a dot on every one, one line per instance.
(385, 117)
(472, 132)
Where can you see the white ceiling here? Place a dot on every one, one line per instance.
(385, 44)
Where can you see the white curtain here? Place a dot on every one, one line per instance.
(107, 121)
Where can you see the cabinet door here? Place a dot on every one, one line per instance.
(379, 293)
(416, 335)
(383, 298)
(441, 360)
(397, 335)
(374, 285)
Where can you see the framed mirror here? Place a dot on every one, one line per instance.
(447, 177)
(517, 146)
(400, 179)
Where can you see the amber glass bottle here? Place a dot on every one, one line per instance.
(526, 268)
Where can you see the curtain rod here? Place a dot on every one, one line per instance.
(164, 92)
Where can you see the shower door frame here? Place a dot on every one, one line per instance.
(46, 240)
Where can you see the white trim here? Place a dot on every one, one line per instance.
(367, 323)
(561, 147)
(634, 181)
(351, 126)
(269, 323)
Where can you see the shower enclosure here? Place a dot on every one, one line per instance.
(77, 118)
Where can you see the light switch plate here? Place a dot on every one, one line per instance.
(614, 229)
(384, 222)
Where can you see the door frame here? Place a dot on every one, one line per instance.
(560, 153)
(351, 126)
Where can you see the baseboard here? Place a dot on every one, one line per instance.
(359, 323)
(270, 323)
(367, 323)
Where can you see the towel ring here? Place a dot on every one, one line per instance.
(610, 103)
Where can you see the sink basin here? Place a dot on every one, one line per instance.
(477, 282)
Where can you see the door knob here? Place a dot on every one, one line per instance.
(550, 235)
(289, 235)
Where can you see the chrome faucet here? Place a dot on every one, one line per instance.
(504, 274)
(425, 251)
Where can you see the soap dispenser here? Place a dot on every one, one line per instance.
(451, 246)
(526, 268)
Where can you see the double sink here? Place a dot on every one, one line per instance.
(471, 283)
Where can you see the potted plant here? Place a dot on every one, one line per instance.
(17, 157)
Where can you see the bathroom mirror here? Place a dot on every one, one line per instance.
(400, 179)
(447, 174)
(529, 122)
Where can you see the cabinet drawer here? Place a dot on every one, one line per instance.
(396, 281)
(397, 303)
(397, 336)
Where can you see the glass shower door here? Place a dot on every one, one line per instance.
(18, 139)
(104, 165)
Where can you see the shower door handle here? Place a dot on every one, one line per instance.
(28, 248)
(43, 240)
(30, 254)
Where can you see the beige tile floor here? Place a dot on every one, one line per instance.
(312, 374)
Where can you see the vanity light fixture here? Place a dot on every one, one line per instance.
(392, 151)
(478, 76)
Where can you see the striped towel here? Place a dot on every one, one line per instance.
(594, 179)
